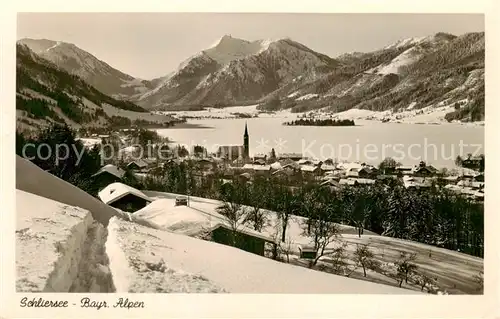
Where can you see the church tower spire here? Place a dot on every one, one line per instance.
(246, 142)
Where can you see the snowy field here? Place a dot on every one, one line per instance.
(427, 115)
(170, 262)
(454, 271)
(147, 116)
(62, 248)
(228, 112)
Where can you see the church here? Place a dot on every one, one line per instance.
(234, 152)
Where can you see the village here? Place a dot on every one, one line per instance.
(232, 162)
(182, 191)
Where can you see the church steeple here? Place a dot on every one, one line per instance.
(246, 142)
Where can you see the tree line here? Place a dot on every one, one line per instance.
(435, 216)
(320, 122)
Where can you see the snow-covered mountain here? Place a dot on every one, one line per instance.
(282, 74)
(45, 94)
(97, 73)
(236, 71)
(423, 72)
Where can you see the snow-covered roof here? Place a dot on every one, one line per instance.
(139, 162)
(308, 168)
(326, 167)
(257, 167)
(128, 149)
(115, 191)
(348, 166)
(289, 155)
(305, 161)
(111, 169)
(345, 181)
(188, 220)
(276, 165)
(366, 181)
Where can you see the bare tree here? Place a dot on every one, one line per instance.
(287, 248)
(232, 209)
(322, 229)
(257, 198)
(285, 204)
(405, 266)
(364, 257)
(338, 258)
(424, 281)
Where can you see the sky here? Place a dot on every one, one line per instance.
(150, 45)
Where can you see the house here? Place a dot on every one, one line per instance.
(348, 182)
(404, 170)
(332, 184)
(305, 161)
(327, 167)
(124, 197)
(204, 163)
(450, 180)
(112, 170)
(346, 166)
(479, 178)
(363, 181)
(259, 162)
(474, 162)
(311, 171)
(363, 172)
(329, 161)
(276, 166)
(137, 165)
(385, 178)
(106, 175)
(257, 169)
(244, 177)
(245, 238)
(424, 171)
(230, 152)
(260, 157)
(411, 182)
(262, 170)
(307, 252)
(290, 156)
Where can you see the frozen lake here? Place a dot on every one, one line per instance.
(368, 141)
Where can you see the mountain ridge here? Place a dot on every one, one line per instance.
(46, 93)
(96, 72)
(285, 74)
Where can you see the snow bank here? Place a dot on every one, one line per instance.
(59, 248)
(181, 219)
(30, 178)
(160, 261)
(138, 262)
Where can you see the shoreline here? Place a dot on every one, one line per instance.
(186, 126)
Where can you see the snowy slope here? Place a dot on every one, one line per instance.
(455, 271)
(178, 263)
